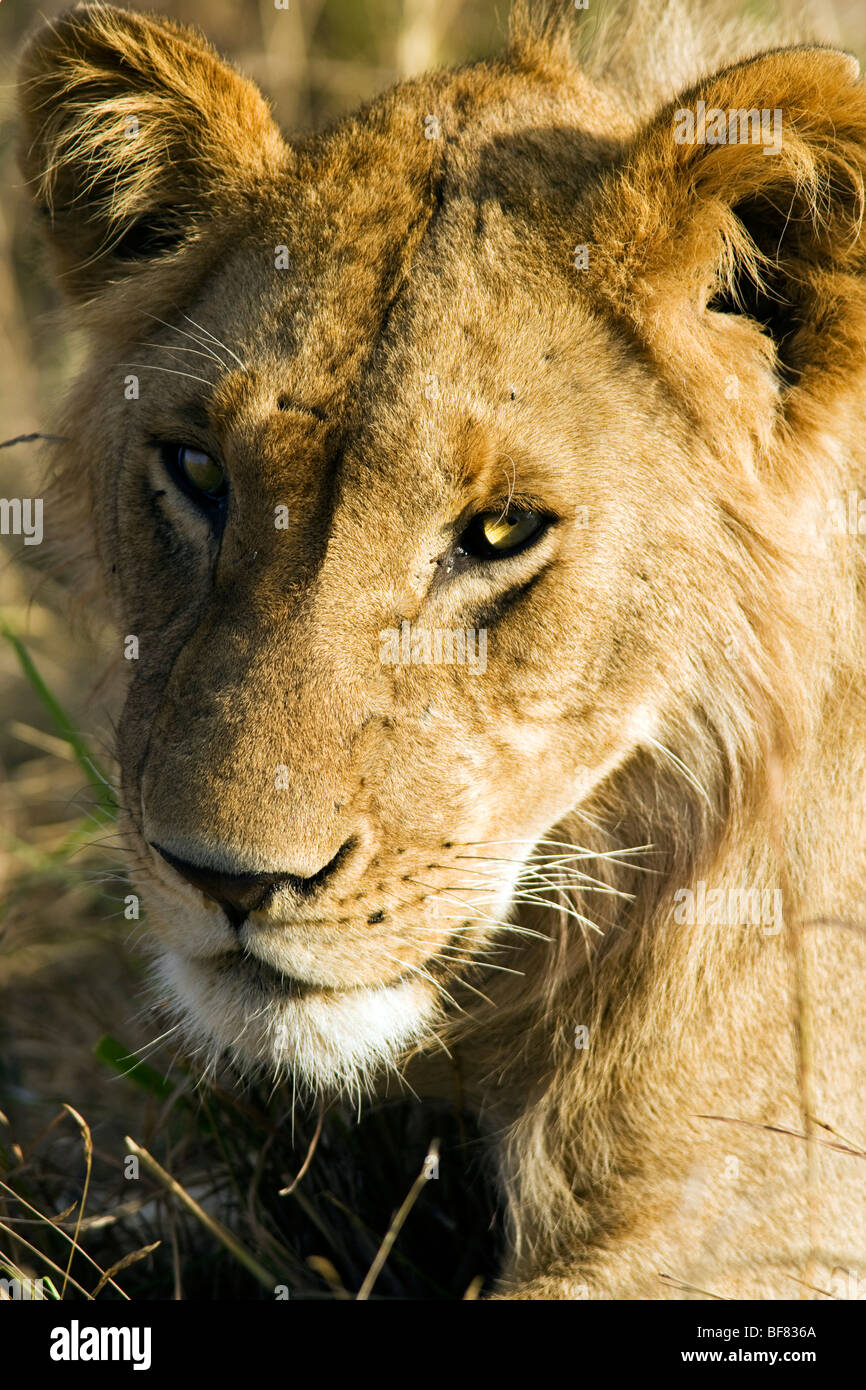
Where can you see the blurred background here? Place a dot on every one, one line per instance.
(70, 979)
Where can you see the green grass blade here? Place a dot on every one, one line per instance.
(63, 724)
(116, 1056)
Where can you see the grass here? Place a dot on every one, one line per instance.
(223, 1216)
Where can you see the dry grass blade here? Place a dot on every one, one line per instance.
(88, 1158)
(32, 438)
(216, 1228)
(287, 1191)
(822, 1124)
(54, 1223)
(132, 1258)
(41, 1255)
(691, 1288)
(396, 1225)
(326, 1270)
(825, 1293)
(9, 1268)
(792, 1133)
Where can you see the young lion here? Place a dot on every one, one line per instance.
(523, 353)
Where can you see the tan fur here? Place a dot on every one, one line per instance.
(674, 688)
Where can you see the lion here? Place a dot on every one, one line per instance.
(563, 348)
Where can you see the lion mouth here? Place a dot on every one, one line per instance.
(331, 1039)
(267, 980)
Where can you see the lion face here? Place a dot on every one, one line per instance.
(396, 501)
(351, 715)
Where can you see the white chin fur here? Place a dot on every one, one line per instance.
(330, 1043)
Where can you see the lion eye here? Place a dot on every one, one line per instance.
(492, 534)
(506, 532)
(201, 473)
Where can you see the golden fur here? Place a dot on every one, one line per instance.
(674, 688)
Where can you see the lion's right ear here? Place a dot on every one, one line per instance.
(134, 133)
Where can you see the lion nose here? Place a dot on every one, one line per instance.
(240, 894)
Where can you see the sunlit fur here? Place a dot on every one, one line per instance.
(674, 691)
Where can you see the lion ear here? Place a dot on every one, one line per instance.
(134, 133)
(746, 195)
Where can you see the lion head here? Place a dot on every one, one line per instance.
(446, 476)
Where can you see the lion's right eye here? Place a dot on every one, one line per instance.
(196, 473)
(201, 472)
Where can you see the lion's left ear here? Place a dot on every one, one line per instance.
(746, 196)
(134, 134)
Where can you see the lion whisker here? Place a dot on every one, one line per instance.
(575, 879)
(479, 960)
(175, 347)
(192, 337)
(488, 924)
(147, 1049)
(151, 367)
(686, 771)
(225, 347)
(532, 901)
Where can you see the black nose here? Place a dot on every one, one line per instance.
(240, 894)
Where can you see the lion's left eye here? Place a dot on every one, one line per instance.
(491, 535)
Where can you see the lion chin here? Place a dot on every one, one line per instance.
(331, 1041)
